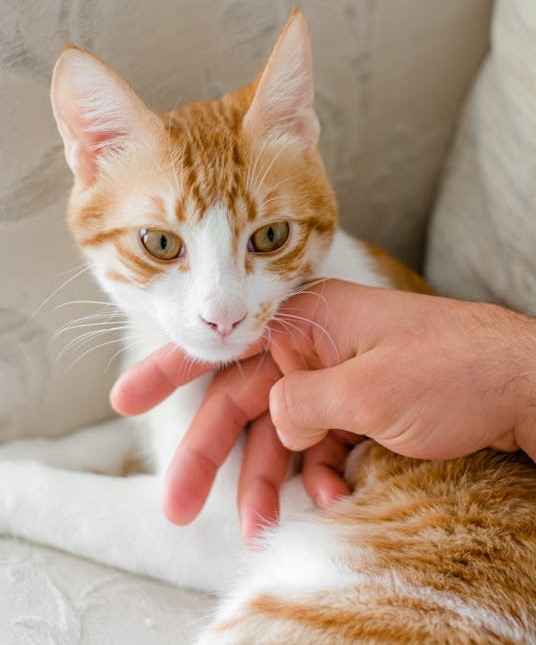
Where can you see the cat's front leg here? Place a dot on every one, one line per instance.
(118, 521)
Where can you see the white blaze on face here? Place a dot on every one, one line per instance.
(208, 309)
(217, 275)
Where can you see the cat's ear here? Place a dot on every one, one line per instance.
(97, 112)
(283, 104)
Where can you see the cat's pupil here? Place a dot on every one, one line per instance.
(163, 242)
(270, 234)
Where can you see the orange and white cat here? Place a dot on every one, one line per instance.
(199, 223)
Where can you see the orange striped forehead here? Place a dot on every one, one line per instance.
(210, 159)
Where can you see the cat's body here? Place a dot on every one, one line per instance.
(199, 224)
(420, 553)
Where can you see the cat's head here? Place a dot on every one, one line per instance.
(205, 218)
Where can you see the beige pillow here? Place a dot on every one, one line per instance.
(482, 241)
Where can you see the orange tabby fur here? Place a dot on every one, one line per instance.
(427, 537)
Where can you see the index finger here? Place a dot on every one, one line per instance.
(236, 397)
(154, 379)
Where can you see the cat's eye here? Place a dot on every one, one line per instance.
(162, 245)
(269, 238)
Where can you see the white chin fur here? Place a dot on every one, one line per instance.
(216, 352)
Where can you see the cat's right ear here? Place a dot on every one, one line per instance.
(97, 113)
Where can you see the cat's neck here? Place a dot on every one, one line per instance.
(350, 259)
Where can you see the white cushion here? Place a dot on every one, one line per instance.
(51, 597)
(483, 234)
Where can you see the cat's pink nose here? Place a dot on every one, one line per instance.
(223, 326)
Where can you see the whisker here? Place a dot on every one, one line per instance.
(93, 349)
(299, 292)
(87, 337)
(73, 269)
(304, 288)
(70, 327)
(260, 364)
(240, 369)
(317, 326)
(288, 325)
(97, 316)
(86, 302)
(58, 289)
(126, 348)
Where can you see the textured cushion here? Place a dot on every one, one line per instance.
(390, 79)
(49, 597)
(483, 234)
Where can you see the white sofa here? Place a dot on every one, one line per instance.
(391, 79)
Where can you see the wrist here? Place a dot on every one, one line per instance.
(521, 376)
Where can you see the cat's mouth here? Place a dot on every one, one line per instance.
(217, 349)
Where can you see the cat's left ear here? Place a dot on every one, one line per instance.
(283, 104)
(97, 113)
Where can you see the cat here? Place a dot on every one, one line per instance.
(199, 223)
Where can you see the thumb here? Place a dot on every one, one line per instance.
(305, 405)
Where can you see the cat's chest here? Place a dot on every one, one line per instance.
(167, 423)
(162, 428)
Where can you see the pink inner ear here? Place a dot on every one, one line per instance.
(84, 140)
(94, 132)
(94, 110)
(104, 138)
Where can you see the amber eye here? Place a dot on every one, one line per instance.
(162, 245)
(269, 238)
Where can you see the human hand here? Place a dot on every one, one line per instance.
(426, 377)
